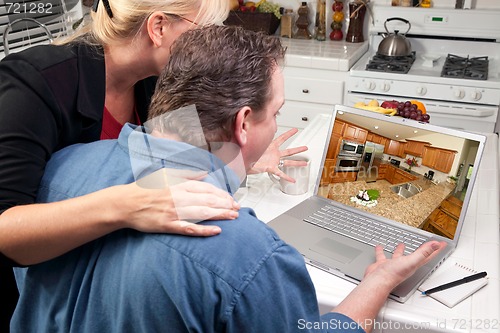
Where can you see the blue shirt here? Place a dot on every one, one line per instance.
(244, 280)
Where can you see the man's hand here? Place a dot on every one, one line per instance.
(270, 160)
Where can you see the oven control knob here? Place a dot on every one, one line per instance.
(421, 91)
(385, 86)
(459, 93)
(370, 85)
(476, 95)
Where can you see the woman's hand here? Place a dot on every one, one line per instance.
(172, 202)
(271, 158)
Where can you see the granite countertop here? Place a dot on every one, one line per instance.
(411, 211)
(330, 55)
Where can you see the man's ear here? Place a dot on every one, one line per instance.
(242, 125)
(156, 27)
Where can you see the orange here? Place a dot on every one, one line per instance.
(338, 16)
(420, 105)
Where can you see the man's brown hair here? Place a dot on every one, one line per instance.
(219, 70)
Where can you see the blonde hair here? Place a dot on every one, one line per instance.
(130, 15)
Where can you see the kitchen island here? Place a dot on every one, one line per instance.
(412, 211)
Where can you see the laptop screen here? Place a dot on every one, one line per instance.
(409, 172)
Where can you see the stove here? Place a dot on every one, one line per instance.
(464, 67)
(454, 70)
(397, 64)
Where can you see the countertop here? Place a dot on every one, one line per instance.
(478, 247)
(329, 55)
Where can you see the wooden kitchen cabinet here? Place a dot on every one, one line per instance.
(439, 159)
(328, 171)
(355, 133)
(389, 174)
(444, 219)
(415, 148)
(395, 148)
(382, 170)
(334, 146)
(401, 176)
(372, 137)
(338, 127)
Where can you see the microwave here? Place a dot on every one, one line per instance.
(351, 148)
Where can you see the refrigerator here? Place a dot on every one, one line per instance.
(370, 162)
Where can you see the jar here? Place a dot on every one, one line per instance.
(302, 22)
(286, 23)
(357, 10)
(320, 33)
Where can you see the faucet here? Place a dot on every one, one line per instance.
(419, 188)
(8, 28)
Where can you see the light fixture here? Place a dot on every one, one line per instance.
(376, 127)
(397, 136)
(415, 131)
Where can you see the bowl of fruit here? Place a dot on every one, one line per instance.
(256, 16)
(411, 109)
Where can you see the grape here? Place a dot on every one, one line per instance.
(413, 115)
(406, 109)
(415, 106)
(407, 103)
(419, 118)
(406, 114)
(401, 106)
(426, 116)
(419, 112)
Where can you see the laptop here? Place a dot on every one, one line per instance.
(338, 227)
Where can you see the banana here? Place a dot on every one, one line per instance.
(378, 109)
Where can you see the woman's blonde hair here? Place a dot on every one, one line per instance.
(130, 15)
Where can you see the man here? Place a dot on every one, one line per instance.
(244, 280)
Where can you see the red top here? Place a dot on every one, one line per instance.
(111, 127)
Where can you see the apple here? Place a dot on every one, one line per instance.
(337, 6)
(336, 35)
(389, 104)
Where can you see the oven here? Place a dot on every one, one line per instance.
(465, 97)
(351, 148)
(348, 163)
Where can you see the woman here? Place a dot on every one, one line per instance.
(84, 90)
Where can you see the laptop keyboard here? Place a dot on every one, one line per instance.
(364, 229)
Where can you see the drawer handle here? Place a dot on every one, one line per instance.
(305, 119)
(305, 91)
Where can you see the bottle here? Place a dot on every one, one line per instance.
(320, 32)
(357, 10)
(287, 23)
(302, 22)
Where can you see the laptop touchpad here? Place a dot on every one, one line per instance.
(335, 250)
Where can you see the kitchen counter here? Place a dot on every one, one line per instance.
(411, 211)
(329, 55)
(478, 248)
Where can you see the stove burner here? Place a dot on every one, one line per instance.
(391, 64)
(465, 68)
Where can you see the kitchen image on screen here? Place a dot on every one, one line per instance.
(413, 176)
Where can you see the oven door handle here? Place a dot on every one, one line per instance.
(467, 112)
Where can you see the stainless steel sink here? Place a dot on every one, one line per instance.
(406, 190)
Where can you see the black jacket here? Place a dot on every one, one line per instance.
(50, 97)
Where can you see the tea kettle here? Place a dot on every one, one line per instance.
(395, 44)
